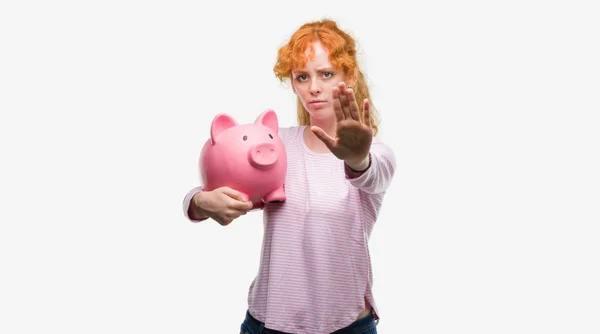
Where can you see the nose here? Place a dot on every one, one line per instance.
(262, 156)
(315, 88)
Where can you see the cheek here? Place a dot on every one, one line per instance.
(332, 84)
(303, 94)
(304, 99)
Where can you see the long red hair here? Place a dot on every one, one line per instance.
(342, 55)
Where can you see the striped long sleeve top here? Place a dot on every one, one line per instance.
(315, 268)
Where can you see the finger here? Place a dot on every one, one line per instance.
(328, 140)
(230, 192)
(337, 106)
(229, 216)
(234, 214)
(241, 212)
(235, 194)
(344, 100)
(366, 112)
(241, 205)
(353, 106)
(224, 221)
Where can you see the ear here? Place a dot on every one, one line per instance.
(220, 123)
(269, 119)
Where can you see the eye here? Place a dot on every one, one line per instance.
(302, 77)
(328, 74)
(270, 136)
(245, 138)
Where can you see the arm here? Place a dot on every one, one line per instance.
(378, 175)
(368, 163)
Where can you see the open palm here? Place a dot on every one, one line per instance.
(354, 135)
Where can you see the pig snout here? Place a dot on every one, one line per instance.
(263, 156)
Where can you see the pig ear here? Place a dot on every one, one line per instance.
(220, 123)
(269, 119)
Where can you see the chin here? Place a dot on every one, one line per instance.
(321, 115)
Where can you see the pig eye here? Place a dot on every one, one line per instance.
(270, 136)
(245, 138)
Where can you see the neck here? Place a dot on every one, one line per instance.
(328, 125)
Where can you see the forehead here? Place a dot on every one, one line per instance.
(316, 57)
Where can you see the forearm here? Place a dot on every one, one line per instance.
(377, 177)
(361, 165)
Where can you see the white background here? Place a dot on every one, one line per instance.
(490, 225)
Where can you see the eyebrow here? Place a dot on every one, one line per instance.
(324, 69)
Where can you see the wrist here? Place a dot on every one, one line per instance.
(361, 165)
(195, 210)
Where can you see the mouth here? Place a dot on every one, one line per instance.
(317, 104)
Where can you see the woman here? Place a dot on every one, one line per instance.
(315, 271)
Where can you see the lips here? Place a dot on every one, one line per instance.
(317, 104)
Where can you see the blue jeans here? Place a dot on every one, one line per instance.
(364, 325)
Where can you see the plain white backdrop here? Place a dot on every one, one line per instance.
(490, 225)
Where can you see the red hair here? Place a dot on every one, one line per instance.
(342, 55)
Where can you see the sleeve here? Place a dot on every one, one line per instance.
(186, 203)
(378, 176)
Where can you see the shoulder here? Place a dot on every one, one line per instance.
(287, 130)
(380, 148)
(379, 142)
(289, 133)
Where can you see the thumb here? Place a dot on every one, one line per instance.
(328, 140)
(234, 194)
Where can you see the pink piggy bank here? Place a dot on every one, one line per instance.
(249, 158)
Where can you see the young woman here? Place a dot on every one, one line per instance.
(315, 270)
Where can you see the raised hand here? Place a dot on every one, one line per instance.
(354, 134)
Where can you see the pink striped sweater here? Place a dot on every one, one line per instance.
(315, 269)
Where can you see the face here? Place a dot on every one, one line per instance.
(313, 83)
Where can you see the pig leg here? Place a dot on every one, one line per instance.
(277, 195)
(257, 206)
